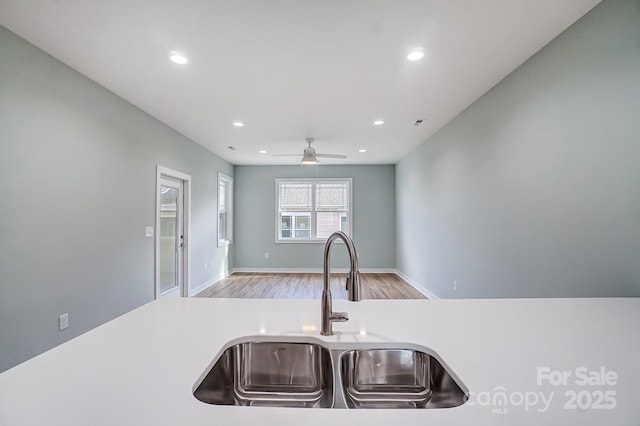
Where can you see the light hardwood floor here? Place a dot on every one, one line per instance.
(308, 286)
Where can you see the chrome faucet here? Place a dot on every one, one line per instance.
(353, 283)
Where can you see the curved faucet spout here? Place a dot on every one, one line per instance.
(353, 283)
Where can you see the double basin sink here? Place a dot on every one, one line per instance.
(303, 373)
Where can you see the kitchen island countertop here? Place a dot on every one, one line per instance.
(524, 362)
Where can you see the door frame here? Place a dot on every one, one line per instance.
(186, 184)
(177, 247)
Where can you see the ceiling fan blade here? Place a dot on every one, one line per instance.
(331, 156)
(309, 155)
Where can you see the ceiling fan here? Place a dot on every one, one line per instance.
(309, 155)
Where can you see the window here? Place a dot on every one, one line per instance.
(225, 210)
(309, 210)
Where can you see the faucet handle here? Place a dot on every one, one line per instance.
(339, 317)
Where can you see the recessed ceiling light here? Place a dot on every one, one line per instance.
(415, 54)
(178, 58)
(262, 151)
(238, 123)
(362, 150)
(378, 123)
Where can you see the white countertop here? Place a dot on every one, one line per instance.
(140, 369)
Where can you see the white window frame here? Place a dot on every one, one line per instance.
(228, 181)
(313, 181)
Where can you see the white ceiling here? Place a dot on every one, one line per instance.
(291, 69)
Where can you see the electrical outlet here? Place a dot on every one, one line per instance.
(456, 287)
(63, 321)
(266, 254)
(148, 231)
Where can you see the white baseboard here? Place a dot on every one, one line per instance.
(310, 270)
(207, 284)
(417, 286)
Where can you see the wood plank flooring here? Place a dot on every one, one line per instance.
(308, 286)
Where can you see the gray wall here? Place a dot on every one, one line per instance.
(78, 170)
(534, 190)
(373, 218)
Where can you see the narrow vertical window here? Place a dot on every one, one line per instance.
(225, 210)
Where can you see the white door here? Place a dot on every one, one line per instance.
(171, 238)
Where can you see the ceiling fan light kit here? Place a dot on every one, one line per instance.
(309, 159)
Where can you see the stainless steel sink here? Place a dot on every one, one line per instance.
(301, 374)
(397, 378)
(275, 374)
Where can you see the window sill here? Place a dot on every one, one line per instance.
(301, 241)
(306, 241)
